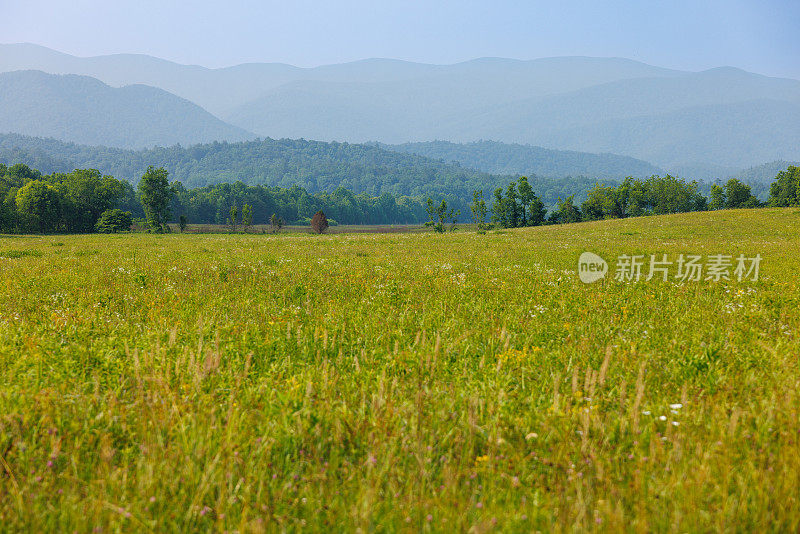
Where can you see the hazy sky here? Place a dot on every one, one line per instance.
(760, 36)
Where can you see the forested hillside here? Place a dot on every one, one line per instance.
(505, 158)
(312, 165)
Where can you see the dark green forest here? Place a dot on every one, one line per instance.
(314, 166)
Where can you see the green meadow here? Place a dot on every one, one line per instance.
(400, 382)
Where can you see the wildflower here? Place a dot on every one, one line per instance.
(662, 417)
(532, 435)
(479, 505)
(646, 412)
(676, 406)
(675, 423)
(429, 518)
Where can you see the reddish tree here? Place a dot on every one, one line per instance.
(319, 223)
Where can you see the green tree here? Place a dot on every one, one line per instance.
(785, 190)
(595, 207)
(86, 194)
(536, 212)
(276, 223)
(512, 208)
(439, 215)
(155, 195)
(526, 196)
(247, 216)
(232, 216)
(182, 222)
(717, 195)
(532, 210)
(478, 208)
(498, 208)
(566, 211)
(738, 195)
(113, 221)
(39, 206)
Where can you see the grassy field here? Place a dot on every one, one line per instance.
(401, 382)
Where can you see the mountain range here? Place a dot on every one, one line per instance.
(704, 125)
(85, 110)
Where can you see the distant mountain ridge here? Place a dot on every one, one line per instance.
(502, 158)
(222, 90)
(85, 110)
(706, 124)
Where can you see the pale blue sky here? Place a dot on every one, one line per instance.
(760, 36)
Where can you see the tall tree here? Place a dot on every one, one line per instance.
(566, 211)
(247, 216)
(234, 213)
(526, 196)
(155, 195)
(785, 190)
(738, 195)
(717, 201)
(498, 208)
(39, 206)
(512, 209)
(478, 208)
(439, 215)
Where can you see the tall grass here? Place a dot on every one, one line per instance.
(400, 382)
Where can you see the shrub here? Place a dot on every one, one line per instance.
(113, 221)
(319, 223)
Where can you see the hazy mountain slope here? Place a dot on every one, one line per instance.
(482, 81)
(707, 124)
(764, 173)
(420, 109)
(736, 135)
(85, 110)
(641, 117)
(214, 90)
(502, 158)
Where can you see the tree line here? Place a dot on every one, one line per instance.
(517, 205)
(85, 201)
